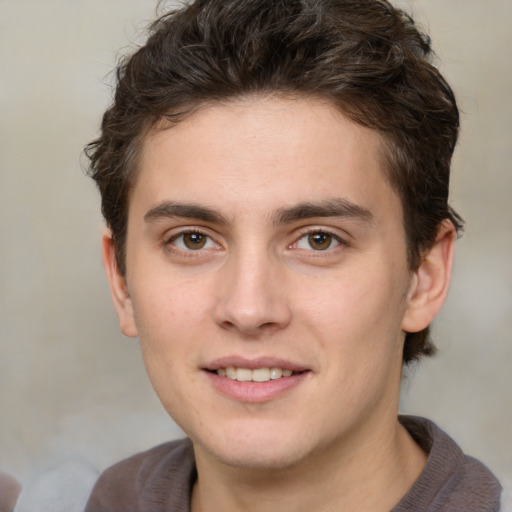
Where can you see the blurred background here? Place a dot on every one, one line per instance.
(71, 387)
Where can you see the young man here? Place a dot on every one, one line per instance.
(274, 177)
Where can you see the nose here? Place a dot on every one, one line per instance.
(251, 296)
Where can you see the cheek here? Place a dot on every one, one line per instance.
(358, 302)
(167, 308)
(363, 347)
(170, 325)
(358, 316)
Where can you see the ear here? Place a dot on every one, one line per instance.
(118, 288)
(430, 281)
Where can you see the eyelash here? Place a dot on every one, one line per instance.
(334, 238)
(316, 231)
(190, 252)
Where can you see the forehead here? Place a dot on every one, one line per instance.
(258, 153)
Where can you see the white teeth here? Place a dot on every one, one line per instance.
(256, 375)
(261, 375)
(243, 374)
(276, 373)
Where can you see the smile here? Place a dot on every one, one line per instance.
(256, 381)
(253, 375)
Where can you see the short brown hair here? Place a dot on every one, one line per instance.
(365, 56)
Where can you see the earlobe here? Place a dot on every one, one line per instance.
(118, 288)
(430, 283)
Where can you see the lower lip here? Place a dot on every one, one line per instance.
(255, 391)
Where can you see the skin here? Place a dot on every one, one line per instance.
(240, 175)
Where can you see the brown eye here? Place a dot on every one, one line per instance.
(194, 241)
(320, 241)
(317, 241)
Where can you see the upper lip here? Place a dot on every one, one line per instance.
(254, 363)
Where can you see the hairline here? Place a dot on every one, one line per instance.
(156, 124)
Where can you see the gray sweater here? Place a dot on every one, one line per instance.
(161, 479)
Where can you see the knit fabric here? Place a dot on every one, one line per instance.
(161, 479)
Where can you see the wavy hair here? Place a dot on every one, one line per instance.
(365, 56)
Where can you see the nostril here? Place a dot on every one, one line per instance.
(228, 326)
(246, 329)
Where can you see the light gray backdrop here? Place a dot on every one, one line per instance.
(70, 386)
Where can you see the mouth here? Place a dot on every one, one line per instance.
(257, 380)
(254, 375)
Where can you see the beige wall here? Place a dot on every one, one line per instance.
(70, 385)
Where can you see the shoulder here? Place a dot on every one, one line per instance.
(9, 491)
(147, 481)
(451, 481)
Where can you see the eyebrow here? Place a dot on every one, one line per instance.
(186, 211)
(336, 207)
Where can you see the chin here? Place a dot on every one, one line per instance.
(252, 459)
(255, 452)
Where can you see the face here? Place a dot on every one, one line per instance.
(267, 280)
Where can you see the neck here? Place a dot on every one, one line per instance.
(372, 476)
